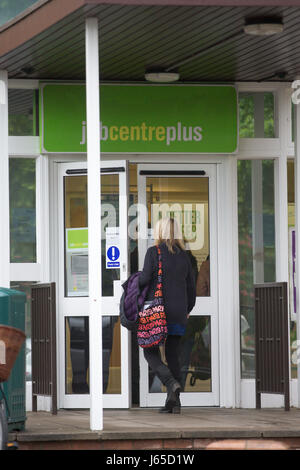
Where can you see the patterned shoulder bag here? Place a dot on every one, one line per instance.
(152, 327)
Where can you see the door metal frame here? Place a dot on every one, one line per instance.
(78, 306)
(210, 305)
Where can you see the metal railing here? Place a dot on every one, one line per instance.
(272, 341)
(43, 337)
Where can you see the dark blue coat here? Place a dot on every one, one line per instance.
(178, 286)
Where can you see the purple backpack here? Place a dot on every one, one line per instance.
(131, 301)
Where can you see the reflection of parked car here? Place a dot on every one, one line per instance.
(28, 359)
(248, 351)
(79, 350)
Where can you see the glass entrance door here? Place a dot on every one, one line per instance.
(73, 284)
(188, 194)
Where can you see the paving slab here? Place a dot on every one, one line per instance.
(139, 423)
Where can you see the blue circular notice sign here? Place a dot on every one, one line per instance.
(113, 253)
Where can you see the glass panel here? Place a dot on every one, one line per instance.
(294, 349)
(77, 355)
(256, 245)
(186, 199)
(133, 257)
(23, 112)
(26, 287)
(246, 115)
(76, 235)
(9, 9)
(257, 115)
(133, 200)
(292, 297)
(110, 220)
(269, 116)
(22, 207)
(292, 122)
(195, 358)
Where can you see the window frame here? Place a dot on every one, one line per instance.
(279, 149)
(28, 147)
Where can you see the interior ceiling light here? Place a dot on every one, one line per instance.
(263, 27)
(28, 70)
(161, 76)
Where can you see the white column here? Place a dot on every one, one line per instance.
(42, 217)
(229, 319)
(281, 189)
(94, 222)
(4, 183)
(297, 221)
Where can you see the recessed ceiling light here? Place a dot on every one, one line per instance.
(162, 77)
(263, 28)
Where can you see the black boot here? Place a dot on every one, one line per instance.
(176, 409)
(173, 391)
(172, 404)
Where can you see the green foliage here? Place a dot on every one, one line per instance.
(22, 188)
(269, 126)
(246, 115)
(245, 232)
(246, 255)
(20, 124)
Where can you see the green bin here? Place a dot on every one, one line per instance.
(12, 313)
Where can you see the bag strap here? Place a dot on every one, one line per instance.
(158, 291)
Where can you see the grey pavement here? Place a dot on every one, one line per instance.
(141, 423)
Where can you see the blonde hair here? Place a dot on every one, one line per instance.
(167, 230)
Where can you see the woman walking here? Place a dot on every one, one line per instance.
(179, 295)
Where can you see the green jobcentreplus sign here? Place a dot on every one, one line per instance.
(142, 119)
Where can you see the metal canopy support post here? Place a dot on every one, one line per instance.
(4, 183)
(297, 220)
(94, 222)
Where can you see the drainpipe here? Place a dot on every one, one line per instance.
(297, 224)
(4, 183)
(94, 222)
